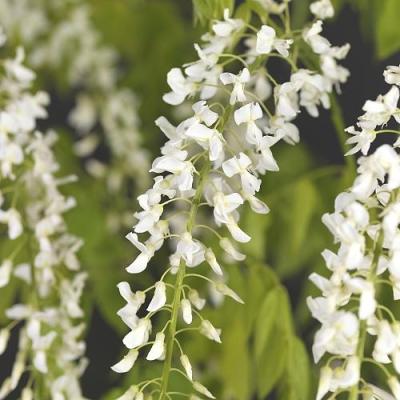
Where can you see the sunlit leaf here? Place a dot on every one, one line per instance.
(387, 29)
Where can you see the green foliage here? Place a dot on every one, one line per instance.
(207, 10)
(378, 21)
(159, 38)
(300, 12)
(237, 379)
(275, 334)
(290, 236)
(387, 29)
(266, 319)
(296, 384)
(103, 254)
(260, 352)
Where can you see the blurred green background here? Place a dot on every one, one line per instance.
(272, 333)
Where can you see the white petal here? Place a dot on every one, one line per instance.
(265, 39)
(5, 272)
(139, 335)
(139, 264)
(231, 167)
(40, 361)
(4, 336)
(216, 148)
(125, 291)
(243, 114)
(133, 238)
(167, 128)
(27, 394)
(160, 297)
(203, 390)
(173, 98)
(187, 366)
(230, 249)
(200, 132)
(324, 382)
(226, 291)
(367, 303)
(238, 234)
(208, 330)
(186, 311)
(126, 363)
(394, 385)
(227, 78)
(212, 261)
(257, 205)
(130, 394)
(196, 300)
(158, 348)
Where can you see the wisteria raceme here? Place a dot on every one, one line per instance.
(358, 326)
(39, 256)
(211, 164)
(378, 113)
(60, 36)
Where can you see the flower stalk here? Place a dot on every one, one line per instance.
(179, 285)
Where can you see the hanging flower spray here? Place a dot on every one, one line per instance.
(358, 328)
(210, 167)
(40, 254)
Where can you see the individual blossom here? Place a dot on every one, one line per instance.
(322, 9)
(267, 41)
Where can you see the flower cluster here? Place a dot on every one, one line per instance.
(39, 257)
(358, 327)
(377, 114)
(60, 36)
(211, 165)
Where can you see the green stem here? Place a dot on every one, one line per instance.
(355, 390)
(338, 122)
(360, 354)
(179, 286)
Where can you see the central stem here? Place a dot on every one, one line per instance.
(363, 325)
(179, 285)
(360, 354)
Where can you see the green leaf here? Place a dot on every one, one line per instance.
(7, 298)
(297, 380)
(266, 320)
(260, 280)
(207, 10)
(301, 212)
(273, 337)
(300, 13)
(271, 364)
(294, 213)
(387, 31)
(256, 227)
(258, 8)
(235, 362)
